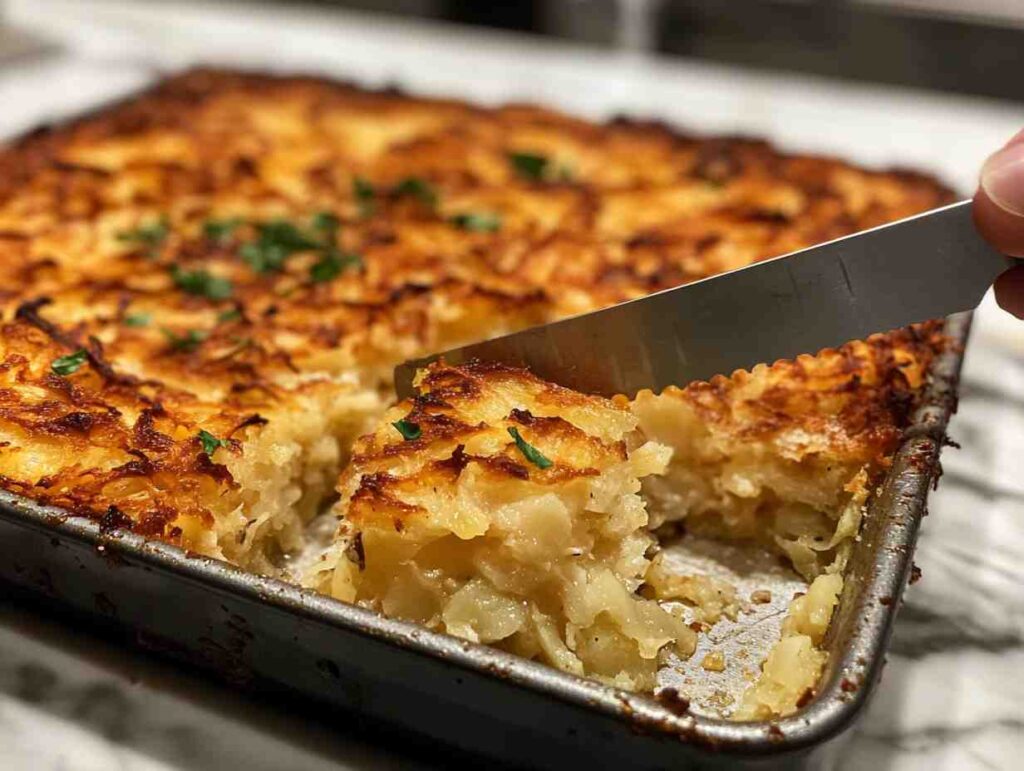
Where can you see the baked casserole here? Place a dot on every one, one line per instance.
(205, 289)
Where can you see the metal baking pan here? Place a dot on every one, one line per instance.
(267, 634)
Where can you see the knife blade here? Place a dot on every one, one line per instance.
(912, 270)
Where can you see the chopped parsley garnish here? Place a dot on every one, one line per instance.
(221, 230)
(202, 283)
(408, 430)
(279, 239)
(264, 256)
(327, 223)
(331, 264)
(137, 319)
(186, 342)
(232, 314)
(481, 222)
(150, 236)
(210, 442)
(68, 365)
(418, 188)
(287, 235)
(364, 193)
(529, 165)
(535, 456)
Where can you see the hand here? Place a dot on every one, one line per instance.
(999, 215)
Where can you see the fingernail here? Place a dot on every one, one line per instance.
(1002, 178)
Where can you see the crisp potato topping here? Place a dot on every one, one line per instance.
(204, 288)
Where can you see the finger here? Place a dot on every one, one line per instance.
(1002, 176)
(1001, 228)
(999, 202)
(1010, 291)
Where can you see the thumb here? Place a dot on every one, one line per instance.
(999, 203)
(999, 215)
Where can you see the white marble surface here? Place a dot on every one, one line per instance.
(952, 696)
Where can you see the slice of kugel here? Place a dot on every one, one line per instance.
(506, 510)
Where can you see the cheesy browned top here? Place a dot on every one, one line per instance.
(224, 244)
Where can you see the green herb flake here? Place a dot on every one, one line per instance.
(70, 364)
(186, 342)
(287, 235)
(418, 188)
(481, 222)
(210, 442)
(263, 257)
(532, 454)
(277, 240)
(137, 320)
(364, 193)
(232, 314)
(202, 283)
(408, 430)
(220, 231)
(327, 224)
(529, 165)
(331, 264)
(151, 236)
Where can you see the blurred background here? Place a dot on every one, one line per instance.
(969, 46)
(931, 84)
(965, 46)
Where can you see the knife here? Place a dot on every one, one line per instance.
(919, 268)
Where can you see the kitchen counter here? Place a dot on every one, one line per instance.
(952, 694)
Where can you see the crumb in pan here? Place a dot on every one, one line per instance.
(794, 664)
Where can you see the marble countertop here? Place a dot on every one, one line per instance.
(952, 695)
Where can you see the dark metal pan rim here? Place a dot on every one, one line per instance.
(846, 683)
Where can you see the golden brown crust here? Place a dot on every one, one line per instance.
(851, 403)
(621, 209)
(463, 416)
(787, 455)
(112, 446)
